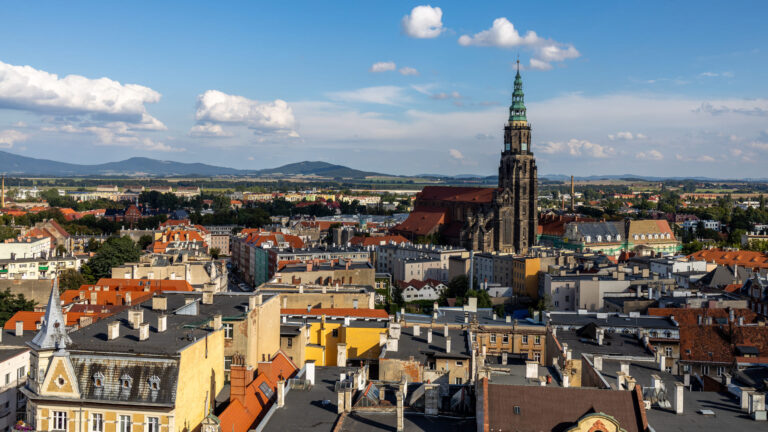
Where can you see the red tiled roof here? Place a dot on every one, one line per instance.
(31, 319)
(261, 237)
(343, 312)
(456, 194)
(741, 258)
(422, 222)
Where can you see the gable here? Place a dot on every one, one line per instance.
(60, 379)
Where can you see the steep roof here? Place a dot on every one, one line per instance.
(53, 332)
(650, 226)
(378, 240)
(422, 222)
(457, 194)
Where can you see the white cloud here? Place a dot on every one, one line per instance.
(577, 147)
(209, 130)
(700, 158)
(444, 95)
(384, 95)
(9, 136)
(424, 22)
(627, 136)
(214, 106)
(383, 67)
(456, 154)
(408, 71)
(503, 34)
(650, 155)
(30, 89)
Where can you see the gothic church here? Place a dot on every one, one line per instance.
(500, 219)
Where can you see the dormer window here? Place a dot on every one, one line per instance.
(126, 382)
(618, 237)
(608, 238)
(98, 380)
(154, 383)
(599, 238)
(587, 239)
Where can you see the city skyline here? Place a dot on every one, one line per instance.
(406, 88)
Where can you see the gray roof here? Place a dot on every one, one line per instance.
(373, 421)
(455, 316)
(417, 347)
(562, 319)
(613, 344)
(9, 353)
(141, 371)
(603, 229)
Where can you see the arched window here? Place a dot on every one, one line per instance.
(98, 379)
(126, 382)
(154, 382)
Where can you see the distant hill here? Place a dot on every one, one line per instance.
(14, 164)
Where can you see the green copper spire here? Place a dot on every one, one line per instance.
(517, 109)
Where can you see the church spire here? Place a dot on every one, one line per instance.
(53, 329)
(517, 109)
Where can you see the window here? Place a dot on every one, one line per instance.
(536, 356)
(124, 425)
(720, 370)
(98, 379)
(228, 328)
(705, 370)
(459, 363)
(493, 338)
(457, 381)
(290, 342)
(537, 340)
(516, 410)
(126, 382)
(20, 372)
(335, 332)
(154, 383)
(97, 422)
(525, 339)
(153, 424)
(227, 363)
(668, 351)
(505, 339)
(60, 420)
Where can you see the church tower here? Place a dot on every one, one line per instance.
(516, 198)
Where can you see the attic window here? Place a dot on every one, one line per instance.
(516, 410)
(154, 382)
(98, 380)
(126, 382)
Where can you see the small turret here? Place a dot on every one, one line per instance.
(53, 329)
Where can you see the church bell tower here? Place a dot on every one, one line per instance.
(518, 179)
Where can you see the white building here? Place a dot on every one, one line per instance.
(25, 248)
(14, 364)
(692, 225)
(38, 268)
(418, 290)
(666, 267)
(390, 258)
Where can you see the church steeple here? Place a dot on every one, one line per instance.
(53, 329)
(517, 109)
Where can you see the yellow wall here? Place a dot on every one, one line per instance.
(263, 332)
(362, 342)
(525, 277)
(200, 364)
(78, 420)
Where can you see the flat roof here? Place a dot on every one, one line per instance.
(417, 347)
(372, 421)
(613, 344)
(574, 319)
(309, 410)
(455, 316)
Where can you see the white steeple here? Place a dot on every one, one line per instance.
(53, 329)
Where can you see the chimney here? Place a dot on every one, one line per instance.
(159, 303)
(254, 301)
(354, 304)
(531, 370)
(281, 393)
(128, 298)
(416, 330)
(597, 363)
(143, 331)
(448, 345)
(445, 330)
(217, 320)
(678, 400)
(600, 336)
(726, 379)
(207, 297)
(341, 355)
(400, 412)
(309, 371)
(429, 336)
(162, 323)
(392, 344)
(94, 298)
(625, 368)
(113, 330)
(19, 328)
(135, 317)
(508, 318)
(382, 339)
(504, 358)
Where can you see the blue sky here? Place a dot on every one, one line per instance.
(656, 88)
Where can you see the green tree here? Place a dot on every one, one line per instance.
(7, 232)
(215, 252)
(10, 304)
(483, 299)
(71, 279)
(116, 251)
(145, 241)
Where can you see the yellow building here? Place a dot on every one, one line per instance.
(143, 370)
(525, 276)
(340, 335)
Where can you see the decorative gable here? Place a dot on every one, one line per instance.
(60, 379)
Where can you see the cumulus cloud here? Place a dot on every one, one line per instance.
(424, 22)
(9, 137)
(577, 147)
(277, 116)
(627, 136)
(650, 155)
(383, 67)
(456, 154)
(209, 130)
(383, 95)
(29, 89)
(408, 71)
(503, 34)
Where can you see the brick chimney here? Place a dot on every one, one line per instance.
(143, 331)
(113, 330)
(240, 376)
(162, 323)
(159, 303)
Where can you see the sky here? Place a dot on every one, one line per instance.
(652, 88)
